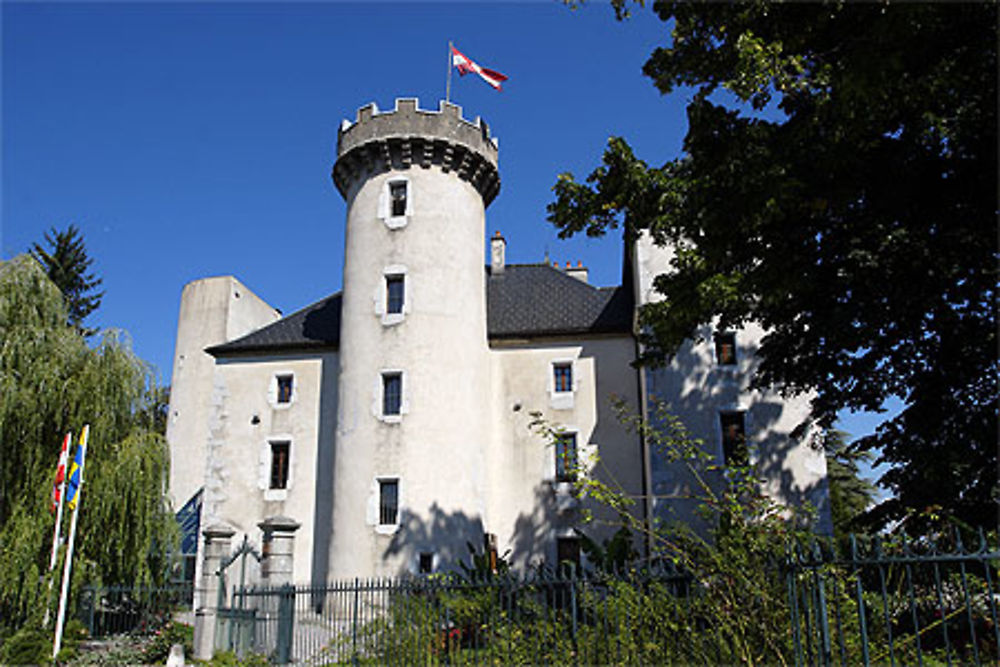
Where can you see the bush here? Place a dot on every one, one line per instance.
(27, 646)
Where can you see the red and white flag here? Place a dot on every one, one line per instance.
(60, 472)
(464, 65)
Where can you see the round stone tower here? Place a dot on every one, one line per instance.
(413, 419)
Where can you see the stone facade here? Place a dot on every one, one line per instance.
(392, 420)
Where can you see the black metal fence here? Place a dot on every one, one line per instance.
(880, 602)
(112, 610)
(910, 602)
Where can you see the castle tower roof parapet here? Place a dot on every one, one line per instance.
(407, 136)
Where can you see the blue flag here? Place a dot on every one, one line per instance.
(76, 470)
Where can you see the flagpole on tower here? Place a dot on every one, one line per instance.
(447, 88)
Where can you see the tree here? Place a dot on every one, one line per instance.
(67, 265)
(837, 185)
(52, 381)
(850, 493)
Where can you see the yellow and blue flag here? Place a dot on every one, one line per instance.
(76, 470)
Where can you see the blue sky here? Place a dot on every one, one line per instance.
(196, 139)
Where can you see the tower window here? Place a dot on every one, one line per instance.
(566, 457)
(562, 375)
(568, 554)
(388, 502)
(392, 393)
(725, 348)
(397, 198)
(734, 440)
(425, 563)
(284, 389)
(279, 464)
(394, 291)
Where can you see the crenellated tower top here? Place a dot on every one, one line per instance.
(406, 136)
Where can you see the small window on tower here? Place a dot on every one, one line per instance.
(426, 562)
(566, 457)
(562, 375)
(279, 464)
(284, 389)
(397, 196)
(568, 554)
(725, 348)
(388, 502)
(394, 291)
(734, 439)
(392, 393)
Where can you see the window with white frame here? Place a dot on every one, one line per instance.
(734, 439)
(562, 383)
(725, 348)
(394, 294)
(396, 202)
(388, 501)
(568, 554)
(284, 386)
(392, 393)
(566, 457)
(280, 451)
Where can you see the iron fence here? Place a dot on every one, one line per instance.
(112, 610)
(896, 601)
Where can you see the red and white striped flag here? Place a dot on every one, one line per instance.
(464, 65)
(60, 472)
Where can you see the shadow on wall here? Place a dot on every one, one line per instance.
(443, 534)
(779, 458)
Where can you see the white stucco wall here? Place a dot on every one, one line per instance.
(695, 388)
(213, 311)
(436, 446)
(528, 510)
(245, 418)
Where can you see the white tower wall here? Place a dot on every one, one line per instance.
(435, 447)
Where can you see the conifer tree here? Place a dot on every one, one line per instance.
(66, 263)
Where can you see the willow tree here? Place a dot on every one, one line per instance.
(52, 381)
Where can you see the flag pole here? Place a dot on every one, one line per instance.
(67, 567)
(62, 499)
(64, 462)
(447, 88)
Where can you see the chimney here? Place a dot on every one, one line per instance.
(498, 254)
(579, 271)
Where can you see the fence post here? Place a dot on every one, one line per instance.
(217, 545)
(276, 570)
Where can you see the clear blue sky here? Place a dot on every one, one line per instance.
(196, 139)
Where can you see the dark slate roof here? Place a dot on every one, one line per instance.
(531, 300)
(315, 326)
(525, 301)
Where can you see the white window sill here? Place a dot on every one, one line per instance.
(562, 400)
(396, 221)
(390, 419)
(276, 494)
(386, 529)
(392, 319)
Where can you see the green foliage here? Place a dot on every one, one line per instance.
(850, 493)
(53, 382)
(66, 263)
(855, 220)
(27, 646)
(172, 633)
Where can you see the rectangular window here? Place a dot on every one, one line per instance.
(426, 562)
(568, 553)
(392, 393)
(566, 457)
(279, 465)
(397, 195)
(563, 377)
(284, 389)
(394, 294)
(734, 440)
(388, 502)
(725, 348)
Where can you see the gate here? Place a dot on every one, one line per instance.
(235, 628)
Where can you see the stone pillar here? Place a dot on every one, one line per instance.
(218, 540)
(278, 554)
